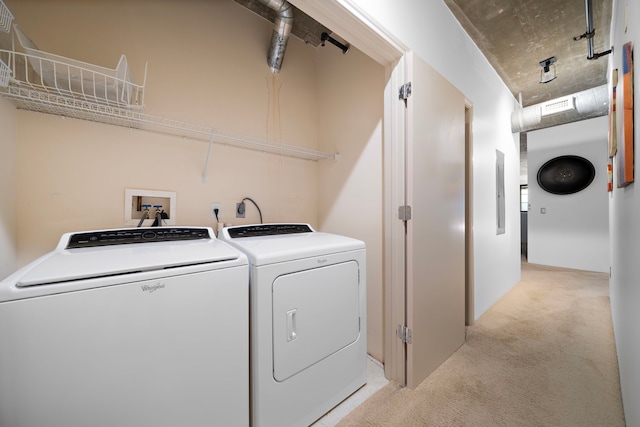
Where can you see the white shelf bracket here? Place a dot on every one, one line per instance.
(206, 161)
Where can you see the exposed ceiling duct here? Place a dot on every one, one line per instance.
(281, 31)
(583, 105)
(287, 20)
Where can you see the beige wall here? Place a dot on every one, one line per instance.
(206, 65)
(8, 195)
(350, 91)
(72, 175)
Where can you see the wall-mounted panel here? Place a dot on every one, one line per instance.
(500, 194)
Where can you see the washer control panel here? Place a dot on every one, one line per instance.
(135, 235)
(268, 230)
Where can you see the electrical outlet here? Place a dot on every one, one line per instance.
(240, 208)
(214, 206)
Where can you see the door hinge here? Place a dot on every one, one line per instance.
(404, 213)
(404, 334)
(405, 91)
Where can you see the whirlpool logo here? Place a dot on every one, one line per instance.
(152, 288)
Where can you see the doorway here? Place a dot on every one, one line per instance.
(468, 198)
(383, 48)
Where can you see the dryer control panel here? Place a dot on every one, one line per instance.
(125, 236)
(268, 230)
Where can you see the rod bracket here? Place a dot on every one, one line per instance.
(325, 37)
(598, 55)
(585, 36)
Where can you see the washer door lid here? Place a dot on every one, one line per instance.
(88, 263)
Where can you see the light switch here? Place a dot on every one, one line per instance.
(543, 210)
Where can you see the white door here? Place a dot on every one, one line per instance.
(435, 233)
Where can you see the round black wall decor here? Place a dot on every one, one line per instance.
(566, 175)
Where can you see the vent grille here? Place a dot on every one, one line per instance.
(558, 105)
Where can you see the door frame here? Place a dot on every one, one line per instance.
(395, 231)
(355, 25)
(469, 258)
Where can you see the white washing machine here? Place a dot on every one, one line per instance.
(142, 327)
(308, 320)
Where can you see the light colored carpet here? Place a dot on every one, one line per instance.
(544, 355)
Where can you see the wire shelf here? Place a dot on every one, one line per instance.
(5, 18)
(50, 103)
(39, 81)
(5, 74)
(68, 77)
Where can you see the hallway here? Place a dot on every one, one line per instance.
(544, 355)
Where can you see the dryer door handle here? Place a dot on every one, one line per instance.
(292, 329)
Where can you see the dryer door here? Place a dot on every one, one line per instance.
(315, 314)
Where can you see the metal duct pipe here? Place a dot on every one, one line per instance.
(281, 31)
(588, 104)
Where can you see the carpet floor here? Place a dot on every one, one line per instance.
(544, 355)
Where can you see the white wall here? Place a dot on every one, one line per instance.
(625, 229)
(574, 232)
(431, 31)
(8, 195)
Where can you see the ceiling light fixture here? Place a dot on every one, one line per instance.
(548, 73)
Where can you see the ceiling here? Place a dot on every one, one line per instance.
(515, 35)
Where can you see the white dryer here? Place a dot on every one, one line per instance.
(308, 320)
(143, 327)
